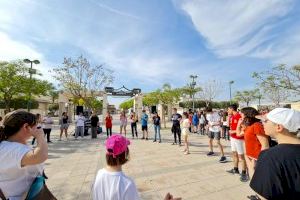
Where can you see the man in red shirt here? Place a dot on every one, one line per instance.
(237, 144)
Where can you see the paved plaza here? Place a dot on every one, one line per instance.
(156, 169)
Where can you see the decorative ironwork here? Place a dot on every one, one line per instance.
(123, 91)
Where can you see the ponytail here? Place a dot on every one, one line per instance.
(2, 134)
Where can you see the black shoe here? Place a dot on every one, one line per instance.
(223, 159)
(253, 197)
(244, 177)
(159, 141)
(49, 142)
(210, 153)
(142, 138)
(233, 171)
(154, 140)
(146, 138)
(174, 143)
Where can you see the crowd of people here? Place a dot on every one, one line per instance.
(265, 145)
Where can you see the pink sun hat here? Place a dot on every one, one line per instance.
(116, 144)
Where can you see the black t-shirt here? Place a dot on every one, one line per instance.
(156, 120)
(176, 119)
(65, 120)
(277, 173)
(94, 121)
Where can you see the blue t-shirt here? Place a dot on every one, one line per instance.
(195, 119)
(144, 120)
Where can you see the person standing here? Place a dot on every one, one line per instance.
(38, 126)
(237, 144)
(123, 122)
(191, 114)
(47, 126)
(20, 164)
(144, 123)
(64, 125)
(185, 132)
(214, 127)
(176, 118)
(195, 122)
(133, 123)
(156, 123)
(79, 125)
(108, 124)
(202, 121)
(94, 125)
(277, 171)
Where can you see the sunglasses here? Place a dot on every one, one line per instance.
(265, 120)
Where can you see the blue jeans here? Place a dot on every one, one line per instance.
(157, 132)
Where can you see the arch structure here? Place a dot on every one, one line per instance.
(135, 93)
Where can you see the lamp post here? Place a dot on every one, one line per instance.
(192, 85)
(230, 83)
(31, 71)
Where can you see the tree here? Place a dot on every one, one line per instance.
(190, 91)
(126, 104)
(93, 103)
(275, 93)
(246, 96)
(81, 79)
(54, 95)
(281, 76)
(14, 83)
(210, 90)
(150, 99)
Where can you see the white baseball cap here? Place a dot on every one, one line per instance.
(286, 117)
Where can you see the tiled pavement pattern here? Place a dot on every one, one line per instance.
(156, 169)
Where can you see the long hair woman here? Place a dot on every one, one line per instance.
(254, 135)
(22, 163)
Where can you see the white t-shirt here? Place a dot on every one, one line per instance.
(80, 121)
(47, 122)
(15, 180)
(214, 120)
(114, 186)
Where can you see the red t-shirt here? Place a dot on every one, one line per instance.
(252, 144)
(108, 122)
(233, 122)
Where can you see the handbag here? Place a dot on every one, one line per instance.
(39, 190)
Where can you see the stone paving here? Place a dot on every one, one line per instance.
(156, 169)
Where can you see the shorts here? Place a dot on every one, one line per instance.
(145, 128)
(123, 125)
(185, 132)
(214, 135)
(237, 145)
(64, 126)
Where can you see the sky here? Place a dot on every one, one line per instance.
(151, 42)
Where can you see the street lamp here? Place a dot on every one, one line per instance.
(230, 83)
(192, 85)
(31, 71)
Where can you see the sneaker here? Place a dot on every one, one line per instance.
(159, 141)
(146, 138)
(142, 138)
(174, 143)
(223, 159)
(154, 140)
(253, 197)
(244, 177)
(210, 153)
(49, 142)
(233, 171)
(186, 153)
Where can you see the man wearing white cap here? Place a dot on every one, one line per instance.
(277, 173)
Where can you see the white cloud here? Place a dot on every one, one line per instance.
(11, 49)
(234, 28)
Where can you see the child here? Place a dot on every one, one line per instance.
(111, 182)
(108, 124)
(185, 132)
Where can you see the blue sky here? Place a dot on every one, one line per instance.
(151, 42)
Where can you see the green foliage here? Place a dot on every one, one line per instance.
(202, 104)
(53, 107)
(20, 103)
(127, 104)
(15, 83)
(95, 104)
(190, 91)
(281, 76)
(246, 96)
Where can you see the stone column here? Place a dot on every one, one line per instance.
(104, 110)
(169, 111)
(139, 105)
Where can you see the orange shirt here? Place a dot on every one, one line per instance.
(252, 144)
